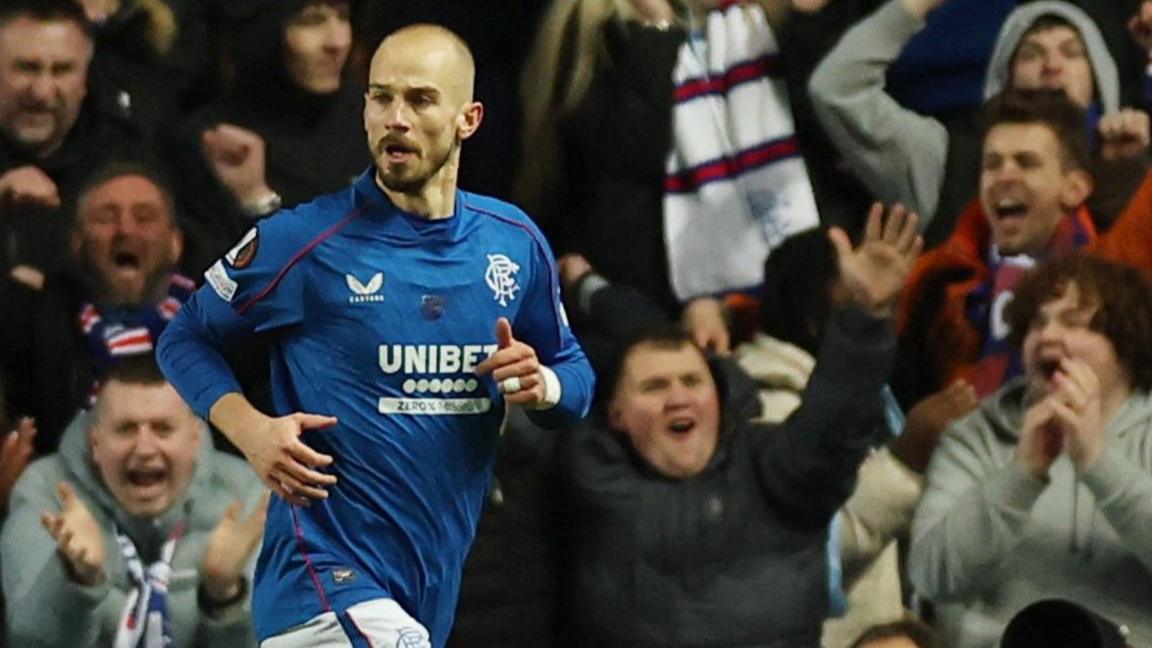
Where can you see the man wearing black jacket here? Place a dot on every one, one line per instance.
(55, 126)
(691, 525)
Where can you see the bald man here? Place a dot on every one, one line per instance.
(407, 314)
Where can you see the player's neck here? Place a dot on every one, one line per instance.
(435, 200)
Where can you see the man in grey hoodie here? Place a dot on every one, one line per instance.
(132, 534)
(932, 167)
(1046, 489)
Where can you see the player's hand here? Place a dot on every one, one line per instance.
(229, 547)
(1123, 134)
(704, 320)
(237, 158)
(874, 273)
(79, 538)
(14, 456)
(284, 462)
(28, 186)
(514, 367)
(1076, 409)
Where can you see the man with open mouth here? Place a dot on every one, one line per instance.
(57, 123)
(691, 524)
(133, 533)
(1044, 490)
(1034, 182)
(387, 413)
(118, 291)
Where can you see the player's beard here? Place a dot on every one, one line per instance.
(401, 182)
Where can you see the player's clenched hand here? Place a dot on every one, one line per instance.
(514, 367)
(229, 547)
(284, 462)
(78, 536)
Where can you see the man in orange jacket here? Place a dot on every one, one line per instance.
(1033, 185)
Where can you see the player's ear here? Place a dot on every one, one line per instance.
(468, 121)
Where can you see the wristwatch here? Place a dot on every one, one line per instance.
(212, 607)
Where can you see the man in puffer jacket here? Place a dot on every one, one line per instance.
(687, 518)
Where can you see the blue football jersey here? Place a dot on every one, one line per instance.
(379, 318)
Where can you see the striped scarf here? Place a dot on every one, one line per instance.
(122, 332)
(998, 360)
(735, 184)
(146, 621)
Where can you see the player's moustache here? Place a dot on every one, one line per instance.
(401, 143)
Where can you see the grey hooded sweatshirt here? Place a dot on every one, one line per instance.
(988, 539)
(902, 156)
(46, 608)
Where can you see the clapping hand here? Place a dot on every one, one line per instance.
(229, 548)
(78, 536)
(875, 271)
(1069, 419)
(1076, 409)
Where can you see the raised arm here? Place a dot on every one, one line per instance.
(820, 446)
(898, 154)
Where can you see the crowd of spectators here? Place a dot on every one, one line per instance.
(865, 283)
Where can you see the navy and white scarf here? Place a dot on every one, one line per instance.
(122, 332)
(735, 184)
(146, 621)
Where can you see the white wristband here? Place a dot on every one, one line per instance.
(552, 389)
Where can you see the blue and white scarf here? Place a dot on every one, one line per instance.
(146, 621)
(735, 185)
(128, 331)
